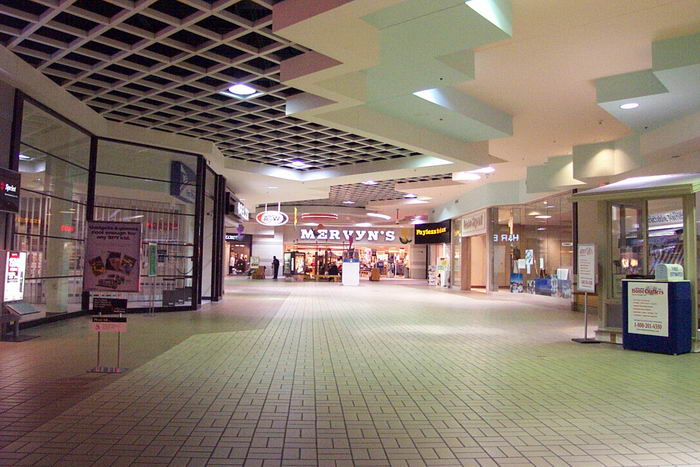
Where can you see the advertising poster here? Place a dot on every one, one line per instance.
(183, 182)
(516, 283)
(15, 265)
(647, 308)
(586, 267)
(113, 257)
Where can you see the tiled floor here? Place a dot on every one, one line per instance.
(385, 374)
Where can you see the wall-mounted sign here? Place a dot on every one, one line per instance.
(586, 266)
(272, 218)
(9, 190)
(667, 218)
(113, 257)
(183, 182)
(13, 275)
(436, 232)
(242, 211)
(474, 224)
(347, 235)
(506, 238)
(312, 216)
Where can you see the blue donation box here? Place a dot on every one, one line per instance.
(657, 316)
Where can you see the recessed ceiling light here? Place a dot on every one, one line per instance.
(242, 90)
(415, 201)
(22, 157)
(543, 217)
(541, 228)
(369, 182)
(409, 195)
(363, 224)
(380, 216)
(629, 106)
(465, 177)
(348, 201)
(484, 170)
(298, 164)
(417, 221)
(533, 213)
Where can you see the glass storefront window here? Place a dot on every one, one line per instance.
(628, 244)
(665, 225)
(140, 192)
(50, 225)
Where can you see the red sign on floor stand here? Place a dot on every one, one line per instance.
(102, 324)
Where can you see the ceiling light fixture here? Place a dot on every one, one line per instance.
(22, 157)
(484, 170)
(629, 106)
(380, 216)
(363, 224)
(415, 201)
(348, 201)
(417, 221)
(541, 228)
(543, 217)
(241, 89)
(410, 195)
(369, 182)
(465, 177)
(298, 164)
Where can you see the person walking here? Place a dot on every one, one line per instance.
(275, 267)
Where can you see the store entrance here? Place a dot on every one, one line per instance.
(313, 260)
(473, 270)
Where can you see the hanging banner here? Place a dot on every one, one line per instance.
(113, 252)
(586, 267)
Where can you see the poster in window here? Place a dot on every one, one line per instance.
(113, 257)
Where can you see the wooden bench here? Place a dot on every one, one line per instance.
(328, 277)
(11, 320)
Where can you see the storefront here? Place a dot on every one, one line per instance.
(517, 248)
(70, 176)
(238, 251)
(643, 222)
(312, 251)
(436, 236)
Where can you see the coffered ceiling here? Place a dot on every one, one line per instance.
(163, 64)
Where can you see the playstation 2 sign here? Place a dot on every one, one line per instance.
(272, 218)
(9, 190)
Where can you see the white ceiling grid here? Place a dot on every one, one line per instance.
(162, 64)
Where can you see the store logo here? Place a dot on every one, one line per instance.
(424, 232)
(506, 238)
(272, 218)
(647, 291)
(347, 235)
(8, 187)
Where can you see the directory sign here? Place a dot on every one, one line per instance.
(113, 257)
(14, 271)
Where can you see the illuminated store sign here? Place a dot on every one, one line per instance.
(9, 190)
(242, 211)
(506, 237)
(437, 232)
(474, 224)
(272, 218)
(344, 235)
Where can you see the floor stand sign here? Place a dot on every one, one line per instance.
(587, 266)
(113, 265)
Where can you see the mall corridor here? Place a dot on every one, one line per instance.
(319, 374)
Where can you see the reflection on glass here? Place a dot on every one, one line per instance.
(665, 223)
(627, 244)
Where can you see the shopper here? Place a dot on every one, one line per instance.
(275, 267)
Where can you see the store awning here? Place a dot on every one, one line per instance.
(652, 186)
